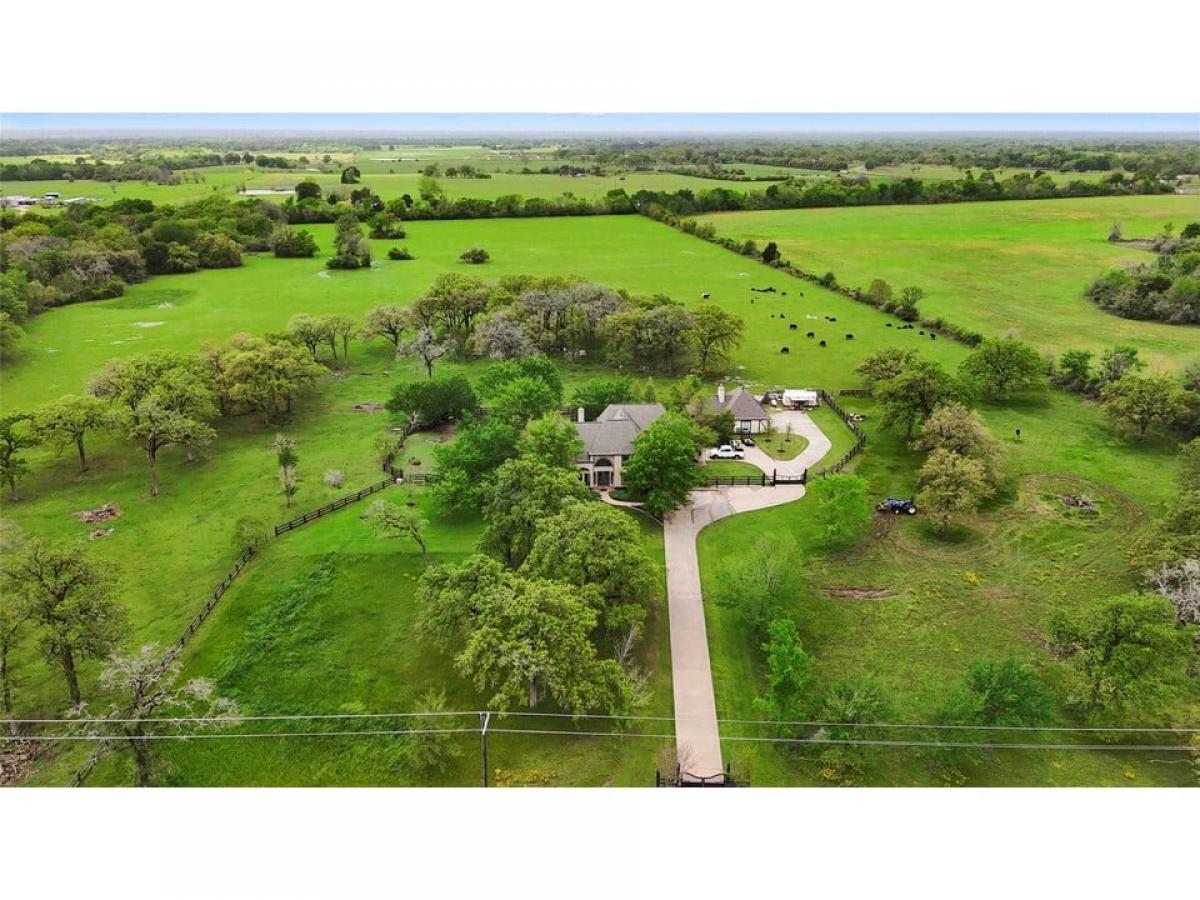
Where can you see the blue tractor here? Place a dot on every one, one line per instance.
(895, 506)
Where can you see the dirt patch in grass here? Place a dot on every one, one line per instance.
(1077, 499)
(103, 514)
(853, 593)
(16, 761)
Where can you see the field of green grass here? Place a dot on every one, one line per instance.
(913, 610)
(322, 620)
(1013, 267)
(172, 550)
(388, 185)
(924, 172)
(196, 183)
(413, 158)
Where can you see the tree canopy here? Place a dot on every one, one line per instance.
(663, 469)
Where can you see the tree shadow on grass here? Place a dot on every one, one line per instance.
(954, 534)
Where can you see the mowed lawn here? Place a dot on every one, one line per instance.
(1016, 267)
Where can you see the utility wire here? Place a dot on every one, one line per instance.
(541, 732)
(218, 735)
(236, 718)
(551, 715)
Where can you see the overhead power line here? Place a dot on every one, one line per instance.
(545, 732)
(813, 723)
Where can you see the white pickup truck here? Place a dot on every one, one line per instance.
(726, 451)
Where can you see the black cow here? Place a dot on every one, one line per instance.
(822, 343)
(784, 350)
(793, 326)
(849, 337)
(811, 334)
(704, 296)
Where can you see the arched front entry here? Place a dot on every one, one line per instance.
(602, 473)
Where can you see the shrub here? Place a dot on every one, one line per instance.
(475, 256)
(399, 253)
(344, 261)
(289, 244)
(335, 477)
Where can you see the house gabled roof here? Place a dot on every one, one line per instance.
(615, 428)
(741, 403)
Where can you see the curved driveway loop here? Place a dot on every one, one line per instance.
(697, 738)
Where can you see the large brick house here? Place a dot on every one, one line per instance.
(608, 441)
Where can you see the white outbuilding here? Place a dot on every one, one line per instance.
(800, 398)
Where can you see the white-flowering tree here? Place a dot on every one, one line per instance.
(151, 696)
(1180, 583)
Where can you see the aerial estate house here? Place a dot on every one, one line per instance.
(749, 417)
(608, 441)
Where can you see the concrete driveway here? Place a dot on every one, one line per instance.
(802, 424)
(697, 735)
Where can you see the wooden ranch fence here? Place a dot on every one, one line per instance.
(332, 506)
(197, 620)
(172, 652)
(860, 439)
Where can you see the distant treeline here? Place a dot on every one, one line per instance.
(1141, 158)
(720, 173)
(149, 168)
(433, 204)
(861, 192)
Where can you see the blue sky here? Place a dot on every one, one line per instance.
(612, 123)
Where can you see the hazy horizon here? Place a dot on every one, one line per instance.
(824, 125)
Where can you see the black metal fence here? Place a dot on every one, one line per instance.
(759, 480)
(332, 507)
(679, 778)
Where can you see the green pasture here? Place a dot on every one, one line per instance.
(63, 346)
(412, 158)
(1011, 267)
(388, 185)
(924, 172)
(196, 183)
(914, 610)
(322, 620)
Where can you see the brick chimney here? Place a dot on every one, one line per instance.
(579, 417)
(721, 394)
